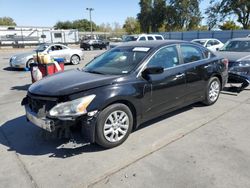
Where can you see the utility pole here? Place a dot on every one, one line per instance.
(90, 19)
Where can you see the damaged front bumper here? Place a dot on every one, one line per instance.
(87, 123)
(239, 75)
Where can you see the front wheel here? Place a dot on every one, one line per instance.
(114, 125)
(75, 59)
(212, 91)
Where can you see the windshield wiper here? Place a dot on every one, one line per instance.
(92, 71)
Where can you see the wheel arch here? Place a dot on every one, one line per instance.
(219, 77)
(75, 55)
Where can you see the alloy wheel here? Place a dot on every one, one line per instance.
(116, 126)
(214, 91)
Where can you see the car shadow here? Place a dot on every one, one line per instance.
(27, 139)
(21, 88)
(168, 115)
(11, 69)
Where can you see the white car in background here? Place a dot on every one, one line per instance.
(23, 60)
(211, 44)
(141, 37)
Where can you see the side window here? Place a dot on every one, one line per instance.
(150, 38)
(58, 47)
(166, 57)
(58, 35)
(207, 53)
(52, 48)
(158, 38)
(191, 53)
(216, 42)
(210, 43)
(142, 39)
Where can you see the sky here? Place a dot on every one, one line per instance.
(48, 12)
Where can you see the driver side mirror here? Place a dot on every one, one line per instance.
(151, 70)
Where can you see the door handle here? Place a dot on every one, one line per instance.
(180, 75)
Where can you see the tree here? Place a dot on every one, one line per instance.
(187, 13)
(213, 15)
(229, 25)
(84, 25)
(144, 16)
(132, 26)
(7, 21)
(158, 14)
(241, 8)
(63, 25)
(81, 25)
(224, 8)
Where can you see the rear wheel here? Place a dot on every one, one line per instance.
(212, 91)
(75, 59)
(114, 125)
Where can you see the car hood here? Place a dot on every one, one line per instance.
(69, 82)
(233, 56)
(25, 54)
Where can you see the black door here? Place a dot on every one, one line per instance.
(165, 90)
(196, 65)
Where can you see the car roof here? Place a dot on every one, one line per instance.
(205, 39)
(240, 39)
(152, 43)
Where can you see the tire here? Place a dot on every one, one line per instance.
(91, 48)
(29, 62)
(212, 91)
(75, 59)
(110, 130)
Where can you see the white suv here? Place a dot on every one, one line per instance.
(142, 37)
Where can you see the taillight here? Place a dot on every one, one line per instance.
(225, 62)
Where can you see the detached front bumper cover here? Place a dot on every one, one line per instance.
(43, 123)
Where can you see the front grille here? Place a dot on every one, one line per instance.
(40, 106)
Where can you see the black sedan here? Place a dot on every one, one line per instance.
(94, 44)
(237, 51)
(125, 87)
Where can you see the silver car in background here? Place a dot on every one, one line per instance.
(23, 60)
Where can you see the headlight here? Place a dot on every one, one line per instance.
(72, 108)
(244, 63)
(12, 58)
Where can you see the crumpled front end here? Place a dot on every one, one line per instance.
(239, 72)
(37, 112)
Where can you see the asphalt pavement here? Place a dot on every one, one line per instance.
(197, 146)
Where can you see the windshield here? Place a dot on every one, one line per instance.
(129, 38)
(117, 61)
(41, 48)
(236, 46)
(202, 42)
